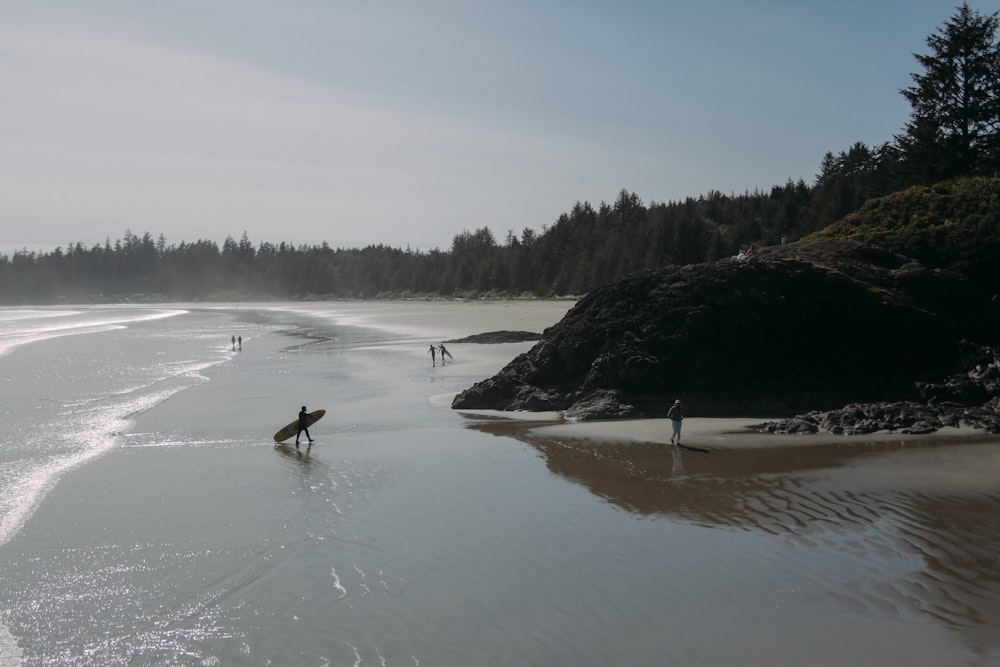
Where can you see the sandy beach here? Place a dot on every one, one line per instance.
(414, 534)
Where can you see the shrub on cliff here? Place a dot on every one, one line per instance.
(952, 226)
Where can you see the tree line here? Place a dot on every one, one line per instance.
(953, 132)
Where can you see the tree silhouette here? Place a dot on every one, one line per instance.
(955, 118)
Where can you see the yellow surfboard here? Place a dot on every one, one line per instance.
(293, 428)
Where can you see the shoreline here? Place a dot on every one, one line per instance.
(709, 432)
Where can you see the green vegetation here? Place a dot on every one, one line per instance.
(953, 225)
(940, 172)
(954, 127)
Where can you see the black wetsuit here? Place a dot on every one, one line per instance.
(303, 424)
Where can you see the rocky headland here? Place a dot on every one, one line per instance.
(826, 334)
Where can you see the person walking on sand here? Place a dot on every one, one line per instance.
(676, 415)
(239, 340)
(303, 426)
(433, 353)
(234, 342)
(444, 353)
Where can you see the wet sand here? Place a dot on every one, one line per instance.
(414, 534)
(927, 504)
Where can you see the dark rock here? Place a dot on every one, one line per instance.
(794, 425)
(601, 404)
(902, 417)
(493, 337)
(806, 326)
(536, 400)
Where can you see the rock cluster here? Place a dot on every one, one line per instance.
(806, 326)
(965, 399)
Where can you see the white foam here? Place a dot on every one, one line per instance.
(94, 427)
(10, 652)
(24, 327)
(14, 314)
(341, 591)
(23, 493)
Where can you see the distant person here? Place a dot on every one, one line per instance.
(234, 342)
(444, 353)
(676, 414)
(784, 239)
(433, 353)
(239, 340)
(303, 426)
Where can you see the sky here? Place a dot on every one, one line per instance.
(359, 122)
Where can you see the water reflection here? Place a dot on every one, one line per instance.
(722, 487)
(677, 458)
(924, 516)
(301, 455)
(774, 488)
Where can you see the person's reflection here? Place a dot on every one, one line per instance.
(678, 467)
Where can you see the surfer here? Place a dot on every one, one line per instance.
(303, 426)
(444, 353)
(433, 353)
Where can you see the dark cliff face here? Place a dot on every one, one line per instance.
(803, 326)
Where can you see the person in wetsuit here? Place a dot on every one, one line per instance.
(303, 426)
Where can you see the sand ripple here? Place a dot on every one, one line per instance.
(878, 528)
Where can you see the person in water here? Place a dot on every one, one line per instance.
(303, 426)
(433, 353)
(444, 353)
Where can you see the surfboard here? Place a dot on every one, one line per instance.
(293, 428)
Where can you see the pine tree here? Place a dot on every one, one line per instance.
(954, 127)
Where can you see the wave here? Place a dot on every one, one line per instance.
(23, 327)
(83, 404)
(10, 652)
(96, 430)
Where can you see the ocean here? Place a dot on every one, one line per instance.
(148, 518)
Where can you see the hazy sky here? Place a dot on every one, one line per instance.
(401, 122)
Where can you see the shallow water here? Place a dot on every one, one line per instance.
(148, 519)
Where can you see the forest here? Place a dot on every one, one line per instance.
(952, 135)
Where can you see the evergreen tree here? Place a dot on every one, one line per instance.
(955, 118)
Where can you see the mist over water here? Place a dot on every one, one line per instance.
(148, 518)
